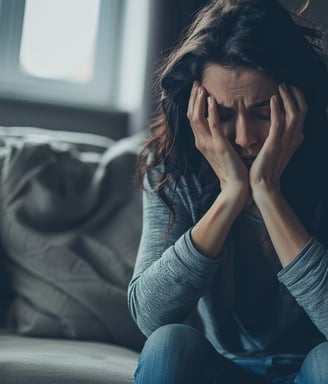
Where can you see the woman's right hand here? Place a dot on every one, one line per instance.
(213, 144)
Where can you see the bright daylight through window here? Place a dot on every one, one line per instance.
(74, 52)
(57, 41)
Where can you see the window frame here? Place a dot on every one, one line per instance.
(99, 93)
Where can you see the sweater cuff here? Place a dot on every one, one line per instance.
(303, 262)
(192, 258)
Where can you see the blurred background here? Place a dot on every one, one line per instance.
(88, 65)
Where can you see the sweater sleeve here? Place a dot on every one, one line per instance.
(170, 274)
(306, 277)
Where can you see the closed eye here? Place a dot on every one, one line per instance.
(225, 114)
(261, 110)
(263, 113)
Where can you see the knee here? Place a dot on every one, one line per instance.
(174, 337)
(174, 353)
(315, 368)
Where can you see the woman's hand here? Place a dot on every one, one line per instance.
(285, 136)
(287, 233)
(210, 232)
(213, 144)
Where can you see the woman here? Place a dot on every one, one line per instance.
(235, 205)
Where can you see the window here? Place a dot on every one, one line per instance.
(76, 52)
(66, 53)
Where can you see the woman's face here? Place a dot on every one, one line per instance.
(243, 103)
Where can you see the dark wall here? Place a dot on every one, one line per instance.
(113, 124)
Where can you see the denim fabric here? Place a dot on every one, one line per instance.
(277, 369)
(314, 369)
(179, 354)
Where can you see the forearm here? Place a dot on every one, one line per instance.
(287, 233)
(170, 288)
(210, 233)
(306, 279)
(170, 274)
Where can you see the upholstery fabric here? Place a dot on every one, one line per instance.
(69, 228)
(40, 361)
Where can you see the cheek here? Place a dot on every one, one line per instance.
(229, 131)
(263, 132)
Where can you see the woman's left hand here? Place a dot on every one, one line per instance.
(285, 136)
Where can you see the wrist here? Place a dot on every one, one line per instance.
(236, 195)
(287, 233)
(209, 233)
(264, 191)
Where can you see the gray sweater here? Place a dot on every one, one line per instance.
(248, 304)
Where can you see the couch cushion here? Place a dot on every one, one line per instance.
(38, 361)
(70, 227)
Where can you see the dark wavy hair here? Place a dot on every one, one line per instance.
(256, 34)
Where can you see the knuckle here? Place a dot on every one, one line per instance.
(211, 124)
(197, 143)
(200, 144)
(293, 118)
(194, 119)
(197, 119)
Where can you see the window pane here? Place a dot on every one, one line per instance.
(59, 38)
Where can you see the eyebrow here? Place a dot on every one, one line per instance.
(256, 105)
(260, 104)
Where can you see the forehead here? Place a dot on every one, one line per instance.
(231, 85)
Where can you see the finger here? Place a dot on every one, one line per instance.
(272, 145)
(291, 111)
(298, 137)
(295, 115)
(291, 136)
(300, 102)
(200, 106)
(192, 97)
(194, 105)
(276, 122)
(213, 117)
(198, 120)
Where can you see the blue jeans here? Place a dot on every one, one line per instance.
(179, 354)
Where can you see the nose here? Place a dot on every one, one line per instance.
(245, 136)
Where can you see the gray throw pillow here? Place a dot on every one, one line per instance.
(70, 225)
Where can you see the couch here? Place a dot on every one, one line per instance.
(70, 225)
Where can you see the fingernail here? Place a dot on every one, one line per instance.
(209, 100)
